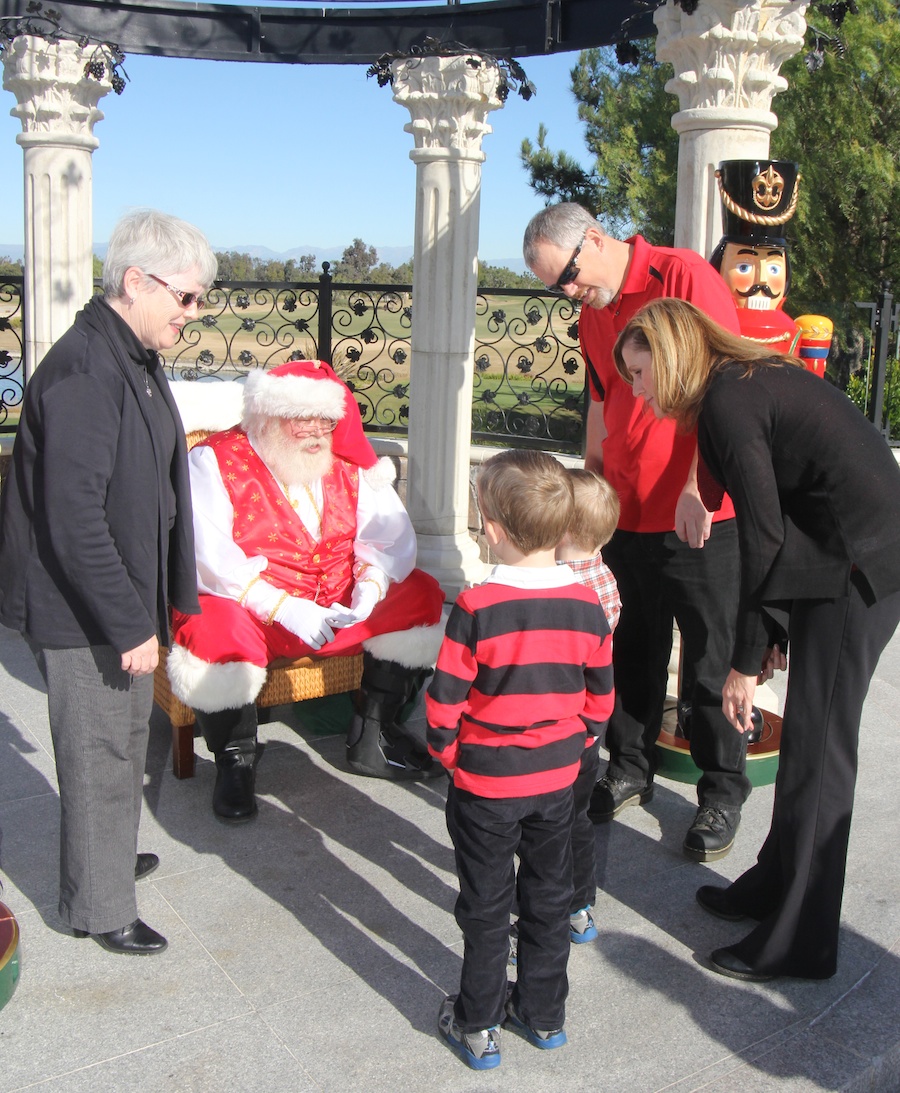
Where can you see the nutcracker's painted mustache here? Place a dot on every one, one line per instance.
(759, 290)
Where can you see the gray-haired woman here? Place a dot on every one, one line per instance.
(95, 540)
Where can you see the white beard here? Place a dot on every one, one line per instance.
(289, 458)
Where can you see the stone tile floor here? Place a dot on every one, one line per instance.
(310, 949)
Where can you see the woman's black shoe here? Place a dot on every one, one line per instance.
(144, 865)
(718, 902)
(138, 939)
(725, 962)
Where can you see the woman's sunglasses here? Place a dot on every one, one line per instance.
(186, 299)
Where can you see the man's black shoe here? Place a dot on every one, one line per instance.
(719, 903)
(611, 795)
(711, 835)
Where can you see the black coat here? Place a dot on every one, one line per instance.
(96, 532)
(816, 490)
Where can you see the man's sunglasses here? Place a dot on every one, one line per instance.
(186, 299)
(571, 271)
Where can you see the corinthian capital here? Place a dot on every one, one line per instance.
(728, 55)
(449, 99)
(56, 101)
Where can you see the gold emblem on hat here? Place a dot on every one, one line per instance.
(767, 187)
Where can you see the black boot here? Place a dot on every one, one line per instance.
(376, 745)
(231, 736)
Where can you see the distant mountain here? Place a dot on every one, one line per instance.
(394, 256)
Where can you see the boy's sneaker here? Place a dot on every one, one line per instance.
(581, 927)
(540, 1039)
(481, 1050)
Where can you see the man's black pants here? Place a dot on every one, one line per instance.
(661, 578)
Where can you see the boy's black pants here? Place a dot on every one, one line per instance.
(487, 835)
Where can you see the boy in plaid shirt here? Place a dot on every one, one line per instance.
(596, 517)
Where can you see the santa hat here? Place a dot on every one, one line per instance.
(301, 389)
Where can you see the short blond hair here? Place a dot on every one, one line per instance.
(529, 494)
(596, 510)
(686, 348)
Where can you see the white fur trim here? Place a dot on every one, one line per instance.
(383, 474)
(292, 396)
(208, 404)
(414, 648)
(212, 687)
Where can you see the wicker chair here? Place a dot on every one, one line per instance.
(287, 681)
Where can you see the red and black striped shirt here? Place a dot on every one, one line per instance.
(524, 672)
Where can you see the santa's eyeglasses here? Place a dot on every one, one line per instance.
(310, 426)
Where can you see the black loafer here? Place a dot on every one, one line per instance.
(144, 865)
(725, 962)
(718, 902)
(137, 939)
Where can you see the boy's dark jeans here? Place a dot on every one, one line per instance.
(487, 835)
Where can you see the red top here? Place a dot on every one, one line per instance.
(522, 674)
(644, 459)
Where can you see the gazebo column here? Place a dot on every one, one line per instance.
(448, 100)
(727, 56)
(57, 106)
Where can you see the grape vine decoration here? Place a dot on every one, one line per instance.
(40, 22)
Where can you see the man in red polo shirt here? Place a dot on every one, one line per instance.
(671, 558)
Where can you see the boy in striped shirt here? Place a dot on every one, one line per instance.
(524, 673)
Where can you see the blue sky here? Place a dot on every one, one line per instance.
(288, 156)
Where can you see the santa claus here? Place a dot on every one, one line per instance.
(303, 546)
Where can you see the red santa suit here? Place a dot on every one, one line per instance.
(260, 541)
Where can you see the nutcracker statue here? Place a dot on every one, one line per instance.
(758, 199)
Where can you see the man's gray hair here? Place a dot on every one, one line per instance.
(561, 225)
(157, 243)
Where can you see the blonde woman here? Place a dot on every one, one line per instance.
(816, 492)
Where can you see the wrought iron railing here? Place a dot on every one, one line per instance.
(529, 381)
(529, 374)
(528, 371)
(12, 340)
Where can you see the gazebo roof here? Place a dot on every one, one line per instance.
(358, 32)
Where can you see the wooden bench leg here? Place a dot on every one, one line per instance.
(183, 751)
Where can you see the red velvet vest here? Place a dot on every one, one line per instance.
(265, 523)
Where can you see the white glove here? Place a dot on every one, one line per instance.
(366, 594)
(313, 623)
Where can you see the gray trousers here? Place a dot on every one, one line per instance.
(99, 721)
